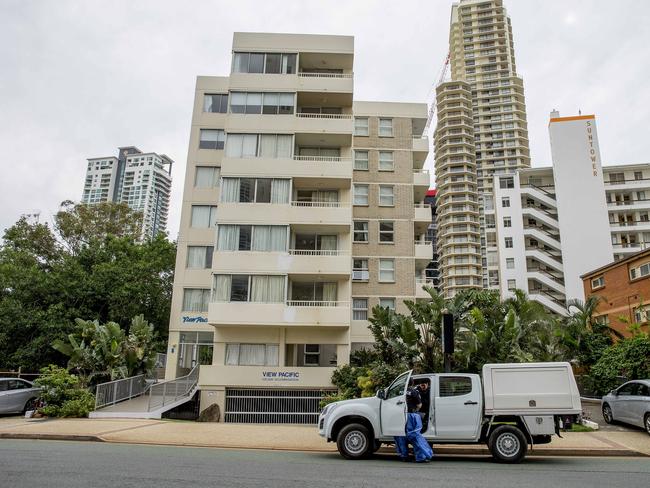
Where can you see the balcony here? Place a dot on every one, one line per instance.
(288, 314)
(423, 251)
(421, 178)
(325, 82)
(218, 374)
(309, 213)
(335, 264)
(296, 123)
(419, 291)
(298, 166)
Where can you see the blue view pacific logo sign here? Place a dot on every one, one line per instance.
(194, 320)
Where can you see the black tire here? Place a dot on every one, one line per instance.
(607, 413)
(376, 446)
(29, 405)
(508, 444)
(646, 422)
(355, 442)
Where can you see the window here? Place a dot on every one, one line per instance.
(598, 282)
(398, 387)
(506, 183)
(387, 303)
(255, 190)
(215, 103)
(638, 175)
(386, 197)
(361, 160)
(195, 300)
(360, 231)
(212, 139)
(312, 354)
(360, 270)
(252, 354)
(641, 314)
(512, 285)
(245, 288)
(360, 194)
(386, 161)
(508, 241)
(199, 257)
(259, 238)
(507, 222)
(359, 309)
(387, 270)
(270, 63)
(385, 127)
(386, 232)
(261, 103)
(639, 272)
(505, 202)
(617, 177)
(203, 216)
(361, 126)
(455, 386)
(326, 292)
(259, 146)
(207, 177)
(510, 263)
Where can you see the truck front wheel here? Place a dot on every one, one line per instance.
(507, 444)
(354, 442)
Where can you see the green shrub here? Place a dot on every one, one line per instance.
(62, 394)
(629, 358)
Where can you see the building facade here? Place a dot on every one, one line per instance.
(556, 223)
(141, 180)
(623, 288)
(302, 210)
(482, 132)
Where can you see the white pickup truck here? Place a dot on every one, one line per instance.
(515, 405)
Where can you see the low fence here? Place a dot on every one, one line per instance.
(119, 390)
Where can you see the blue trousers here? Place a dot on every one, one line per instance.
(413, 431)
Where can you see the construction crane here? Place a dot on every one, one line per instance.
(432, 108)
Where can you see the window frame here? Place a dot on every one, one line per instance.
(392, 161)
(392, 196)
(508, 242)
(359, 129)
(219, 143)
(366, 231)
(597, 282)
(379, 127)
(386, 232)
(222, 109)
(365, 272)
(380, 270)
(356, 153)
(356, 186)
(363, 310)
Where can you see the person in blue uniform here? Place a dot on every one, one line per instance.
(413, 430)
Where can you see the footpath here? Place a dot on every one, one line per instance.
(283, 437)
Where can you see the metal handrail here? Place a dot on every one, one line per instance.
(317, 303)
(322, 159)
(316, 204)
(116, 391)
(309, 115)
(318, 252)
(305, 74)
(161, 394)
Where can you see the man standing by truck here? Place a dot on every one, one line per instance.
(421, 449)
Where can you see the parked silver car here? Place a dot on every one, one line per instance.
(629, 403)
(16, 395)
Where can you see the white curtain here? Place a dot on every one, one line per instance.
(271, 100)
(272, 354)
(228, 239)
(232, 354)
(213, 217)
(330, 152)
(222, 288)
(280, 191)
(286, 99)
(309, 151)
(193, 301)
(254, 99)
(200, 216)
(249, 148)
(252, 354)
(276, 289)
(329, 292)
(206, 177)
(261, 238)
(328, 243)
(285, 145)
(260, 289)
(196, 256)
(233, 145)
(268, 145)
(237, 99)
(278, 238)
(230, 190)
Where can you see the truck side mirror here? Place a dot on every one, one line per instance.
(380, 394)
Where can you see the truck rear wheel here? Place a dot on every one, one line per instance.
(507, 444)
(354, 442)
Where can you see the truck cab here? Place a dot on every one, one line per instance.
(515, 405)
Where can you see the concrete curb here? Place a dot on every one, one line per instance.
(441, 449)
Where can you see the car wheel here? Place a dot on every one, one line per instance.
(508, 444)
(354, 442)
(376, 446)
(607, 414)
(29, 405)
(646, 422)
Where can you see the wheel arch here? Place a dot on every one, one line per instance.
(351, 419)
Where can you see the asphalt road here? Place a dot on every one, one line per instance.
(29, 463)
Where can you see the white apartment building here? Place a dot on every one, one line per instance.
(556, 223)
(302, 209)
(142, 180)
(482, 131)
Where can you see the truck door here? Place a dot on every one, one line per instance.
(457, 408)
(393, 406)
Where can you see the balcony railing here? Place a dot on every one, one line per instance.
(305, 74)
(322, 159)
(306, 115)
(317, 303)
(318, 252)
(317, 204)
(423, 242)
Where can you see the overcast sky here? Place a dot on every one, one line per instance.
(80, 78)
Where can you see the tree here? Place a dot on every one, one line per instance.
(628, 358)
(48, 278)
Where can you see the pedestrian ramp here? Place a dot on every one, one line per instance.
(133, 398)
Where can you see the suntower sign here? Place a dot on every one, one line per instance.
(194, 320)
(280, 376)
